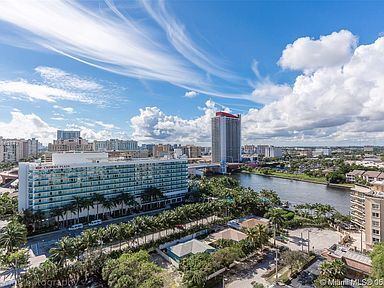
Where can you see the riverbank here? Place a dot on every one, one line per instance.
(302, 178)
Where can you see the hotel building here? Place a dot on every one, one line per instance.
(47, 186)
(226, 138)
(367, 211)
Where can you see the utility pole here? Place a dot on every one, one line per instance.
(302, 242)
(276, 255)
(308, 242)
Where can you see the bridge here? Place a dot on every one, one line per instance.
(9, 176)
(201, 169)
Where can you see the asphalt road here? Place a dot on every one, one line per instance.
(40, 244)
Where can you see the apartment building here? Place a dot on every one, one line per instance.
(47, 186)
(77, 144)
(115, 145)
(13, 150)
(226, 138)
(191, 151)
(367, 211)
(67, 134)
(368, 176)
(161, 150)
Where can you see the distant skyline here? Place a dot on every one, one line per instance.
(302, 73)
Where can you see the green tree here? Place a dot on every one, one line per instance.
(377, 257)
(15, 261)
(13, 236)
(98, 199)
(64, 250)
(132, 270)
(294, 259)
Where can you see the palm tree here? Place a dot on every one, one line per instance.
(89, 239)
(88, 203)
(108, 204)
(58, 213)
(258, 235)
(126, 199)
(98, 199)
(63, 251)
(333, 270)
(111, 233)
(152, 194)
(13, 236)
(276, 219)
(78, 202)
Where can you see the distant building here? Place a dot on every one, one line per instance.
(354, 175)
(191, 151)
(249, 149)
(367, 211)
(273, 152)
(226, 138)
(67, 134)
(321, 152)
(77, 144)
(161, 150)
(13, 150)
(115, 145)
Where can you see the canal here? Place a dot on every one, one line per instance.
(297, 192)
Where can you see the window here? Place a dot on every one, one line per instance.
(375, 223)
(375, 206)
(375, 214)
(375, 232)
(375, 240)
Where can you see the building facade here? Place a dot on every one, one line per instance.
(13, 150)
(191, 151)
(161, 150)
(77, 144)
(367, 211)
(47, 186)
(67, 134)
(226, 138)
(115, 145)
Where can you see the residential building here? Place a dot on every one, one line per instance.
(135, 154)
(226, 138)
(371, 176)
(115, 145)
(249, 149)
(321, 152)
(354, 175)
(228, 234)
(161, 150)
(273, 152)
(191, 151)
(67, 134)
(47, 186)
(77, 144)
(367, 211)
(13, 150)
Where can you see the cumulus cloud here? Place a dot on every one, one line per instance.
(331, 105)
(308, 54)
(152, 124)
(27, 126)
(191, 94)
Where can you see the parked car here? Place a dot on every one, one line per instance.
(76, 227)
(94, 223)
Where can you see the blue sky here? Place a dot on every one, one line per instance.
(157, 71)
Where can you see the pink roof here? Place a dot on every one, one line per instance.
(225, 114)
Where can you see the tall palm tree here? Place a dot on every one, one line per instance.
(58, 213)
(88, 203)
(126, 199)
(63, 251)
(109, 204)
(13, 236)
(98, 199)
(276, 219)
(89, 239)
(79, 203)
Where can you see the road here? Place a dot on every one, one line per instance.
(40, 244)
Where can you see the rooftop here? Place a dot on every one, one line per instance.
(190, 247)
(230, 234)
(252, 222)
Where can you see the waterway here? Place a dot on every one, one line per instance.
(297, 192)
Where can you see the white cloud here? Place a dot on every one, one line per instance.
(308, 54)
(105, 125)
(27, 126)
(331, 105)
(191, 94)
(61, 79)
(22, 89)
(111, 40)
(69, 110)
(154, 125)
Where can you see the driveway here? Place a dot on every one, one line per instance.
(250, 272)
(314, 269)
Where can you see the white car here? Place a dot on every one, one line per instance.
(76, 226)
(94, 223)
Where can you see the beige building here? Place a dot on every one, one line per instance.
(13, 150)
(191, 151)
(161, 150)
(367, 210)
(70, 145)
